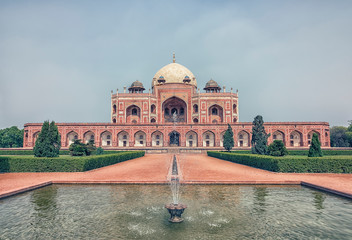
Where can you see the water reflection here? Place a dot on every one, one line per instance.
(260, 193)
(319, 198)
(44, 203)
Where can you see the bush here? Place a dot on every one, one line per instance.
(277, 149)
(299, 164)
(77, 148)
(63, 163)
(100, 151)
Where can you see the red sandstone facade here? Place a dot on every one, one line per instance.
(176, 113)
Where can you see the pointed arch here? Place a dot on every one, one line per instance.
(174, 105)
(140, 139)
(296, 139)
(87, 136)
(123, 139)
(279, 135)
(222, 138)
(216, 114)
(208, 139)
(243, 139)
(191, 139)
(35, 137)
(106, 139)
(174, 138)
(153, 109)
(71, 137)
(310, 135)
(157, 139)
(133, 114)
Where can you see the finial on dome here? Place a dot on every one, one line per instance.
(173, 58)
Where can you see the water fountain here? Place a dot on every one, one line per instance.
(175, 208)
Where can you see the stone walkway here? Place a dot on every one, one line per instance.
(195, 169)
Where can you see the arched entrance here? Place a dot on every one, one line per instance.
(177, 106)
(174, 139)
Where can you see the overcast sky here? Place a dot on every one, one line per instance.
(290, 60)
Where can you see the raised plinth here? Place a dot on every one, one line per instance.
(175, 211)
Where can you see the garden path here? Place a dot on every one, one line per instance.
(195, 168)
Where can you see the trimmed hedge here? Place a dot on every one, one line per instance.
(64, 163)
(31, 152)
(326, 152)
(298, 164)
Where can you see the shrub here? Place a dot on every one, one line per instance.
(277, 149)
(100, 151)
(299, 164)
(77, 148)
(63, 163)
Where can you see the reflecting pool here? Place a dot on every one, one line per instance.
(137, 212)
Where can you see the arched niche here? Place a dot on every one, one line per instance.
(140, 139)
(208, 139)
(216, 114)
(243, 139)
(106, 139)
(157, 139)
(133, 114)
(174, 105)
(174, 138)
(88, 136)
(222, 138)
(191, 139)
(310, 136)
(35, 136)
(71, 137)
(123, 139)
(278, 135)
(296, 139)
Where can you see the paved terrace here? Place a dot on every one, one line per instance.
(194, 168)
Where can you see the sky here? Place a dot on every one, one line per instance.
(289, 60)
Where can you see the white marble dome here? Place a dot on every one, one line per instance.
(174, 73)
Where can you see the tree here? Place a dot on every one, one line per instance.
(55, 139)
(77, 148)
(314, 149)
(228, 139)
(338, 137)
(349, 128)
(48, 142)
(90, 147)
(277, 148)
(11, 137)
(259, 137)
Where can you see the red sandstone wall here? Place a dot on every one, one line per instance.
(322, 128)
